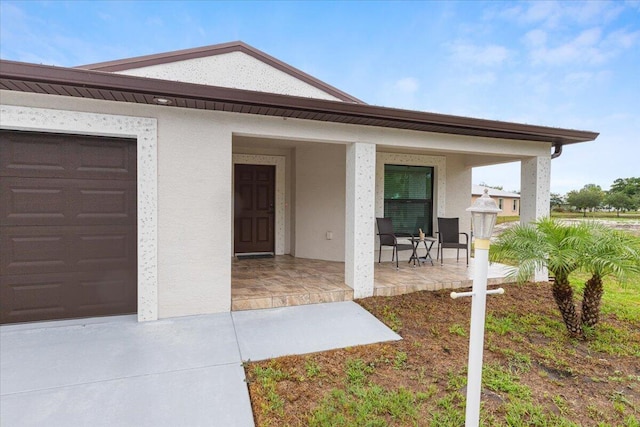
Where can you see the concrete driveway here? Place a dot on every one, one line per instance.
(184, 371)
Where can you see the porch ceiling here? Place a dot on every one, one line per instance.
(61, 81)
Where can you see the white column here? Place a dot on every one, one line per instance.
(359, 221)
(535, 178)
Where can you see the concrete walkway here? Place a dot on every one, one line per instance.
(184, 371)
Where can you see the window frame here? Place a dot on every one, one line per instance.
(428, 201)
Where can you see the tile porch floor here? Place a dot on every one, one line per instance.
(286, 281)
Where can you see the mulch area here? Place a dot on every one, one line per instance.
(433, 327)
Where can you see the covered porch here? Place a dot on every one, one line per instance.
(284, 280)
(325, 194)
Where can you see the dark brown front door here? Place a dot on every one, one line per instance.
(68, 244)
(254, 208)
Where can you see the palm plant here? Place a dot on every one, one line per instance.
(546, 244)
(608, 252)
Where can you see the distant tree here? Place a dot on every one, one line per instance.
(556, 200)
(619, 201)
(589, 197)
(495, 187)
(628, 186)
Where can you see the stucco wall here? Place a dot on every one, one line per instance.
(194, 160)
(235, 70)
(193, 195)
(194, 167)
(320, 201)
(459, 189)
(507, 204)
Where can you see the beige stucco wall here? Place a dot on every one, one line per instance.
(235, 70)
(507, 204)
(320, 201)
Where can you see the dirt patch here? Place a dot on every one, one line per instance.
(528, 360)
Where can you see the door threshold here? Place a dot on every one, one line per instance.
(254, 255)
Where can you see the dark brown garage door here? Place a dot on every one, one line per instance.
(68, 245)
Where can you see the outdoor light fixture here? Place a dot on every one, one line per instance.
(162, 101)
(483, 212)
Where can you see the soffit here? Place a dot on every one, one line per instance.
(43, 79)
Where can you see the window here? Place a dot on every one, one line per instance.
(515, 205)
(500, 203)
(408, 198)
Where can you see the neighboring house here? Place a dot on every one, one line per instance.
(130, 185)
(507, 201)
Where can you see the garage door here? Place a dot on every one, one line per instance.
(68, 245)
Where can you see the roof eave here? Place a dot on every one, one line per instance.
(45, 77)
(219, 49)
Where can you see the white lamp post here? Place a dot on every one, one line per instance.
(483, 212)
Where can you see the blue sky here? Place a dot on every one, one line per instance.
(563, 64)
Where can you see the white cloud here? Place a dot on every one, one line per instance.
(583, 48)
(481, 78)
(536, 38)
(621, 39)
(407, 85)
(489, 55)
(401, 93)
(554, 15)
(547, 12)
(588, 47)
(581, 79)
(594, 11)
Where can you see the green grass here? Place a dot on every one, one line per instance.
(449, 411)
(400, 361)
(503, 219)
(366, 406)
(599, 215)
(609, 216)
(456, 329)
(391, 319)
(620, 299)
(312, 368)
(497, 378)
(616, 341)
(269, 378)
(357, 372)
(502, 324)
(364, 403)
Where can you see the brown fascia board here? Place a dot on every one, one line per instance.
(218, 49)
(51, 75)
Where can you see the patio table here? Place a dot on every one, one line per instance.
(428, 244)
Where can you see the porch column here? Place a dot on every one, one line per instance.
(359, 221)
(535, 178)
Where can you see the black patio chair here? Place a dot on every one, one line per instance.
(389, 238)
(449, 238)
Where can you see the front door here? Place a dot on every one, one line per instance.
(254, 208)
